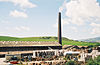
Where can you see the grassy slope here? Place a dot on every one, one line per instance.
(6, 38)
(65, 40)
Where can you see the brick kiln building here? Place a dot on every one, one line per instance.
(8, 46)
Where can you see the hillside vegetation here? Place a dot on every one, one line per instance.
(65, 41)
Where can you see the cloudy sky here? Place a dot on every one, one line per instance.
(32, 18)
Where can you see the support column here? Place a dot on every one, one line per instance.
(34, 54)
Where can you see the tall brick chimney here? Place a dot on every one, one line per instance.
(59, 29)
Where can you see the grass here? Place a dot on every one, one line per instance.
(79, 43)
(65, 41)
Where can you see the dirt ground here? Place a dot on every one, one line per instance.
(2, 61)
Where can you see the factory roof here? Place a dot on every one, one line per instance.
(27, 43)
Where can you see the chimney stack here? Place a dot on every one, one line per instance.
(59, 29)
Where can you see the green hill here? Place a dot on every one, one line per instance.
(6, 38)
(65, 41)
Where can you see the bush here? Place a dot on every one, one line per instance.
(92, 62)
(71, 63)
(96, 61)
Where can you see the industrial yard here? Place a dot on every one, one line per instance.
(52, 57)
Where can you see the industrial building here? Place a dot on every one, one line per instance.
(9, 46)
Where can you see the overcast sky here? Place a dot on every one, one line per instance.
(32, 18)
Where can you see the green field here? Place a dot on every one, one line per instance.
(65, 41)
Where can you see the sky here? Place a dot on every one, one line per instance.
(34, 18)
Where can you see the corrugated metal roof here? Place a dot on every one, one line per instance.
(27, 43)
